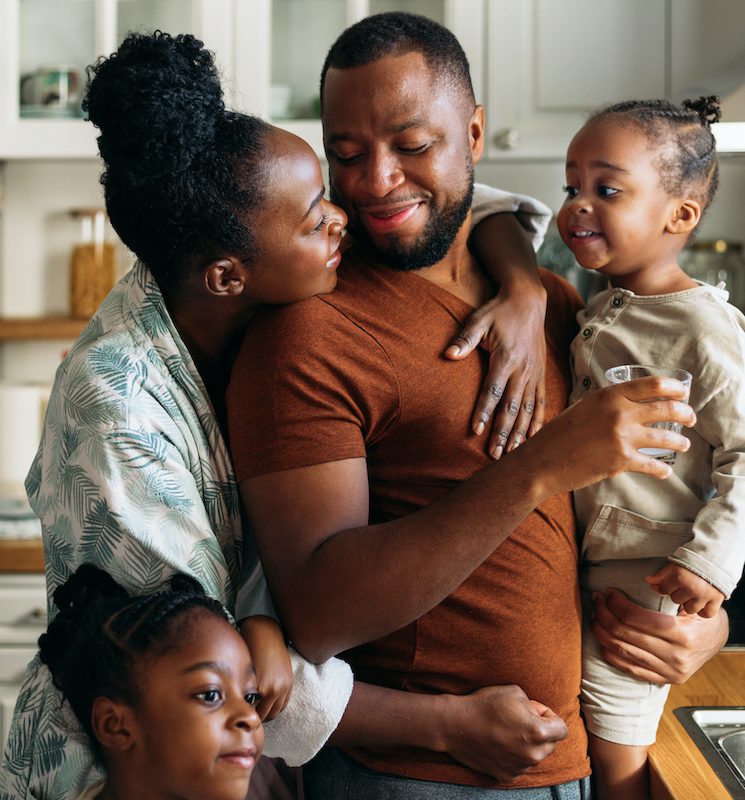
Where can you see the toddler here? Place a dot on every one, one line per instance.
(162, 684)
(640, 174)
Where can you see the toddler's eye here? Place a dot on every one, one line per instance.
(607, 191)
(570, 190)
(252, 698)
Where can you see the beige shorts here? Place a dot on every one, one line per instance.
(621, 550)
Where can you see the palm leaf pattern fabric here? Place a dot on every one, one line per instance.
(133, 475)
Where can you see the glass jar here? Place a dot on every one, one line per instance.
(717, 262)
(92, 263)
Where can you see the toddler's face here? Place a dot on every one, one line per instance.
(197, 733)
(615, 214)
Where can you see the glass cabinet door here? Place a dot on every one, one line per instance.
(172, 16)
(56, 40)
(303, 31)
(434, 9)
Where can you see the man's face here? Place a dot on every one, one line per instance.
(401, 148)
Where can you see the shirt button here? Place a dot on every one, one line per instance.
(587, 332)
(586, 382)
(616, 301)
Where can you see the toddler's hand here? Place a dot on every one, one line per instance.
(694, 594)
(271, 663)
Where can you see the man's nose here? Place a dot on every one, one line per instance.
(383, 173)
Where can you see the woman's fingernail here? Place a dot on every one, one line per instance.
(453, 350)
(497, 452)
(479, 429)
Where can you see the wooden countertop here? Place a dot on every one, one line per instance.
(21, 555)
(678, 770)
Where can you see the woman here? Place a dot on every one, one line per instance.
(133, 474)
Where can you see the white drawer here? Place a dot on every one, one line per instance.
(22, 606)
(23, 609)
(13, 663)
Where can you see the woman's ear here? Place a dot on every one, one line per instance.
(225, 276)
(112, 724)
(685, 217)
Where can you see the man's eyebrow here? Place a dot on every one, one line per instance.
(418, 122)
(316, 200)
(600, 164)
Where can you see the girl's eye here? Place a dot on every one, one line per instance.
(571, 191)
(252, 698)
(210, 696)
(607, 191)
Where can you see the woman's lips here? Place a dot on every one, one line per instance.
(334, 261)
(382, 220)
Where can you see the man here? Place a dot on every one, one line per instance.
(382, 527)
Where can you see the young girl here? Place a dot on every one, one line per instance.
(640, 174)
(162, 684)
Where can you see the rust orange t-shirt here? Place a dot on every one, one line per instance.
(359, 373)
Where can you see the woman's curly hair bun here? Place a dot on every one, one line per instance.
(157, 102)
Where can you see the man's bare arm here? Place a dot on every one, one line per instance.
(339, 582)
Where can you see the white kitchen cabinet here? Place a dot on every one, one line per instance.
(708, 52)
(23, 615)
(549, 63)
(283, 44)
(47, 34)
(270, 54)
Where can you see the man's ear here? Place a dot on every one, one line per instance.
(112, 724)
(476, 133)
(685, 217)
(225, 276)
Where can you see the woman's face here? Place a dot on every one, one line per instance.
(298, 231)
(197, 732)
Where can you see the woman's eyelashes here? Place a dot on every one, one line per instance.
(323, 221)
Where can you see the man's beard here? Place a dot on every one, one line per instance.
(433, 244)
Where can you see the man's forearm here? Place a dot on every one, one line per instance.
(504, 250)
(339, 582)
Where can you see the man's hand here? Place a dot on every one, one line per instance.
(694, 594)
(601, 435)
(499, 731)
(271, 663)
(652, 646)
(511, 329)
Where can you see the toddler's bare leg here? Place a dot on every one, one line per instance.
(619, 770)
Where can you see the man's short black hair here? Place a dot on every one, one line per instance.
(399, 33)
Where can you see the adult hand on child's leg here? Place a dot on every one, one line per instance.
(653, 646)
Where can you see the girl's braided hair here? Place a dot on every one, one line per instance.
(688, 160)
(100, 634)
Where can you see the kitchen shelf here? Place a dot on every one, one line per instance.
(20, 555)
(40, 328)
